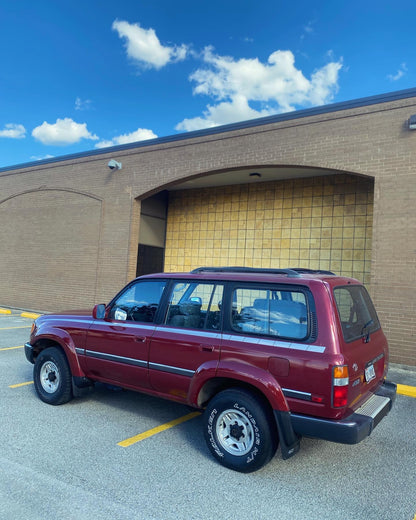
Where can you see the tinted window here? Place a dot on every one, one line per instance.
(139, 302)
(356, 312)
(281, 313)
(195, 305)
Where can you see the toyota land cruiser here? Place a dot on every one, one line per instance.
(268, 355)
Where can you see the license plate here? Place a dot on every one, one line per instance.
(369, 373)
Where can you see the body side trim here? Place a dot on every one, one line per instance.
(305, 396)
(172, 370)
(117, 359)
(190, 332)
(244, 339)
(138, 362)
(275, 343)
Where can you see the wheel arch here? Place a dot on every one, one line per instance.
(63, 343)
(42, 344)
(206, 383)
(214, 386)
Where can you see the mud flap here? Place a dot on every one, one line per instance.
(81, 386)
(289, 440)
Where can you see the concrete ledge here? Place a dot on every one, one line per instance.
(406, 390)
(24, 314)
(29, 315)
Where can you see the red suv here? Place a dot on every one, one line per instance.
(270, 355)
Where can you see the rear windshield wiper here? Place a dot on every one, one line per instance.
(365, 331)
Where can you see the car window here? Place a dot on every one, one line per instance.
(281, 313)
(195, 305)
(139, 302)
(356, 312)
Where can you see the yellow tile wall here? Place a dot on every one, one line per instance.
(319, 223)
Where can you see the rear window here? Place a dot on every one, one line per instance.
(281, 313)
(356, 312)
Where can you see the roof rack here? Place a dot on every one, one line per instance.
(291, 273)
(311, 271)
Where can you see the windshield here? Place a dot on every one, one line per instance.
(356, 312)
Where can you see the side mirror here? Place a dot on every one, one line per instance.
(98, 313)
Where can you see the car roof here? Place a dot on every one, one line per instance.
(253, 274)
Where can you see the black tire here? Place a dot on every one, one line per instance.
(52, 377)
(240, 430)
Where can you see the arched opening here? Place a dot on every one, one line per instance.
(281, 217)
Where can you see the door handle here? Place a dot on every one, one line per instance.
(140, 339)
(206, 348)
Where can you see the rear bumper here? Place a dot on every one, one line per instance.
(352, 429)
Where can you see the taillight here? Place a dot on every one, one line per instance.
(340, 382)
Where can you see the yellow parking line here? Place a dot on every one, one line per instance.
(406, 390)
(11, 348)
(21, 384)
(5, 311)
(158, 429)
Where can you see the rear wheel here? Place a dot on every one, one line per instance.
(240, 430)
(52, 377)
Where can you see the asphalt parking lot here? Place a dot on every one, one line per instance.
(83, 460)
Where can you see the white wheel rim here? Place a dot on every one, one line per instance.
(49, 377)
(235, 432)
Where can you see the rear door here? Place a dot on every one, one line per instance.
(188, 338)
(363, 343)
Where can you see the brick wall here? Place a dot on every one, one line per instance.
(69, 229)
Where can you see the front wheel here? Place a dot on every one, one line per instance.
(240, 430)
(52, 377)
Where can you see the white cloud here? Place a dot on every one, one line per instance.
(277, 86)
(226, 112)
(399, 74)
(308, 29)
(13, 131)
(40, 158)
(144, 46)
(63, 132)
(82, 104)
(141, 134)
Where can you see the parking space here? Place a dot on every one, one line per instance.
(122, 455)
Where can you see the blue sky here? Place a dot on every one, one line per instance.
(81, 75)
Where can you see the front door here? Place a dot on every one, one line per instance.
(117, 348)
